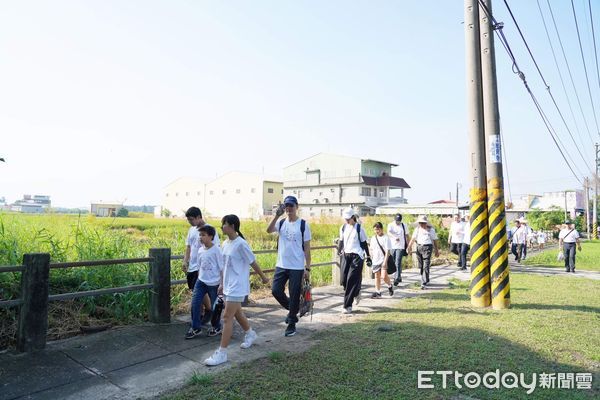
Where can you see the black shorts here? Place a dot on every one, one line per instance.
(192, 277)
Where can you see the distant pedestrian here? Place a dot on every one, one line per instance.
(427, 244)
(466, 243)
(568, 238)
(541, 239)
(455, 237)
(528, 231)
(237, 260)
(380, 250)
(210, 262)
(518, 238)
(353, 247)
(293, 259)
(398, 233)
(190, 258)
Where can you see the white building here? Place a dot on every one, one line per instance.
(575, 201)
(247, 195)
(325, 184)
(105, 208)
(32, 204)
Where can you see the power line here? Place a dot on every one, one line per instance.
(585, 67)
(569, 70)
(498, 29)
(594, 40)
(545, 83)
(562, 82)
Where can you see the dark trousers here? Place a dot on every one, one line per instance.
(517, 250)
(352, 277)
(455, 249)
(397, 254)
(294, 279)
(569, 251)
(424, 258)
(524, 251)
(464, 251)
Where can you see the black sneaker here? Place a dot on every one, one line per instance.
(397, 282)
(290, 330)
(215, 331)
(376, 295)
(391, 290)
(193, 333)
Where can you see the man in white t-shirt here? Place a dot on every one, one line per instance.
(398, 234)
(293, 259)
(528, 232)
(192, 244)
(455, 237)
(568, 238)
(518, 238)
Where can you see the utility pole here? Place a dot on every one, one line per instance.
(595, 211)
(480, 263)
(457, 205)
(498, 247)
(586, 193)
(566, 216)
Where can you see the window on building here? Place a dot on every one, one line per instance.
(320, 193)
(187, 193)
(270, 190)
(176, 194)
(224, 191)
(281, 191)
(211, 192)
(365, 191)
(238, 191)
(166, 194)
(198, 193)
(253, 190)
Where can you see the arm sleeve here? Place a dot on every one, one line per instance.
(247, 254)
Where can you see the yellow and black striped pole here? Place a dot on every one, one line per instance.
(498, 249)
(498, 245)
(480, 262)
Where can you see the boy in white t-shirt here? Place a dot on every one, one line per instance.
(293, 259)
(210, 272)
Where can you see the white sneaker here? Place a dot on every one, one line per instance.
(249, 339)
(218, 357)
(347, 310)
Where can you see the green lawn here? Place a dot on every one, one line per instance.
(587, 259)
(552, 327)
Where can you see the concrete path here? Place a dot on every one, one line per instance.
(145, 361)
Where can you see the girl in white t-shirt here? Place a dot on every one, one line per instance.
(380, 251)
(237, 257)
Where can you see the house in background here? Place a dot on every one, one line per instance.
(325, 184)
(105, 208)
(247, 195)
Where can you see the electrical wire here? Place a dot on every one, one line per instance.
(594, 40)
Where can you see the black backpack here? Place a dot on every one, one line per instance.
(363, 245)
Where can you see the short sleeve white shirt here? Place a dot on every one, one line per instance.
(290, 254)
(193, 240)
(467, 233)
(457, 232)
(237, 257)
(567, 236)
(377, 256)
(519, 235)
(349, 234)
(397, 234)
(424, 236)
(210, 264)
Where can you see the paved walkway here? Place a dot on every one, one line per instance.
(144, 361)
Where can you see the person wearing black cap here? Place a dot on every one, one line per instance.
(399, 236)
(293, 259)
(568, 238)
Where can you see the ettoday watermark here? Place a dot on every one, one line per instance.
(507, 380)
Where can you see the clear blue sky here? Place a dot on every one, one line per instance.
(113, 100)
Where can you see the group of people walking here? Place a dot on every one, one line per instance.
(219, 275)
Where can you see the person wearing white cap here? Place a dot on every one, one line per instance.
(427, 242)
(353, 246)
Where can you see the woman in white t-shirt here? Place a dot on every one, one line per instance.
(237, 258)
(380, 251)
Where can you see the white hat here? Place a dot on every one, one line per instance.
(422, 219)
(523, 220)
(348, 213)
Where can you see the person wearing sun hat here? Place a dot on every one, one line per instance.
(353, 247)
(427, 243)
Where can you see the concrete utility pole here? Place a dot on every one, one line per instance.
(595, 211)
(566, 216)
(480, 263)
(586, 193)
(500, 283)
